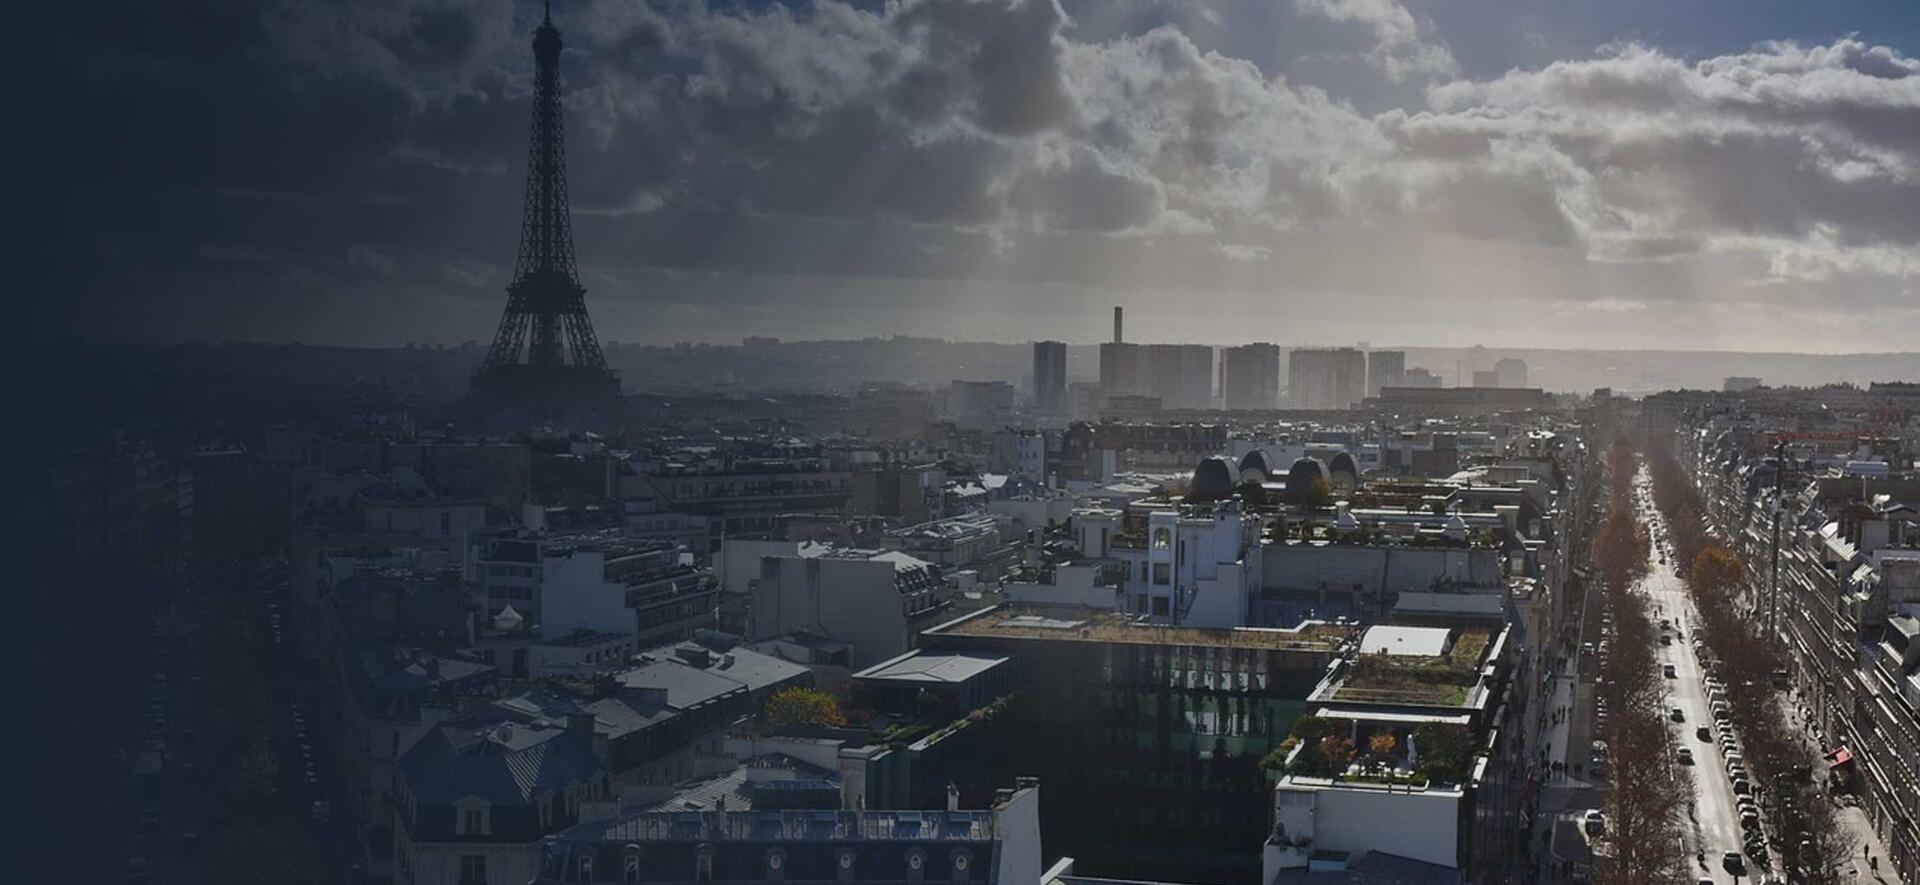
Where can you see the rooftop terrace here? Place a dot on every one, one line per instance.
(1093, 625)
(1434, 681)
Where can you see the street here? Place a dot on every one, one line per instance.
(1713, 825)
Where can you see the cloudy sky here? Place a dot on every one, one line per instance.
(1708, 174)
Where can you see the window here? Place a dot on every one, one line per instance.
(1162, 573)
(583, 868)
(630, 866)
(473, 869)
(1162, 538)
(473, 818)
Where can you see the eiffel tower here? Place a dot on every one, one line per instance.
(545, 353)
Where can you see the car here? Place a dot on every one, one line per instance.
(1686, 756)
(1742, 786)
(1666, 639)
(1749, 820)
(1594, 822)
(1677, 715)
(1734, 863)
(1670, 672)
(1704, 733)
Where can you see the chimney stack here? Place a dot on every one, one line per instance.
(1116, 324)
(953, 795)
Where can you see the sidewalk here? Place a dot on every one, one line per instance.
(1858, 832)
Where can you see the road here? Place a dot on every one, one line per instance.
(1713, 826)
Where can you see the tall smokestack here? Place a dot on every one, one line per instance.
(1116, 324)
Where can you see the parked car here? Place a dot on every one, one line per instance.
(1685, 756)
(1670, 672)
(1595, 822)
(1734, 863)
(1704, 734)
(1677, 715)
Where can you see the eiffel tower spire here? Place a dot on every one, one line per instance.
(545, 347)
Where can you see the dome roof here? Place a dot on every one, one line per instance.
(1301, 477)
(1213, 480)
(1343, 463)
(1255, 460)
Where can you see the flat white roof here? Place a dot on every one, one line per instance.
(1375, 714)
(1392, 640)
(919, 666)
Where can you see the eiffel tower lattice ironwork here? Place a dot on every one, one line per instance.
(545, 346)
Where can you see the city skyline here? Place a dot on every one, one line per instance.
(1378, 171)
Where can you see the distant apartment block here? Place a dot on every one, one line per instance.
(1120, 368)
(1181, 375)
(980, 404)
(1333, 378)
(1250, 376)
(1386, 368)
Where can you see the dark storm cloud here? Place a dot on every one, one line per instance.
(373, 152)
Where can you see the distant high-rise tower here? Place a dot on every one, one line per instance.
(1334, 378)
(545, 350)
(1250, 376)
(1050, 376)
(1117, 315)
(1181, 375)
(1385, 368)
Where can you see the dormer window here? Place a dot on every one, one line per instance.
(583, 868)
(473, 818)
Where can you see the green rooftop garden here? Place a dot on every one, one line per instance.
(1408, 679)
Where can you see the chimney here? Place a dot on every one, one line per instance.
(1116, 325)
(953, 797)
